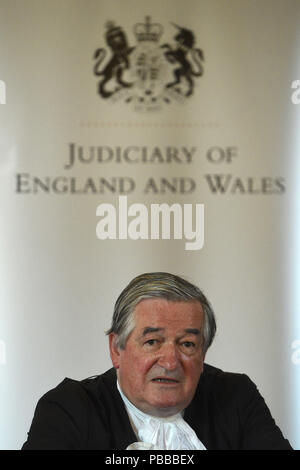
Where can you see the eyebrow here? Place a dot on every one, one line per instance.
(193, 331)
(152, 329)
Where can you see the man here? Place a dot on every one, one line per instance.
(160, 394)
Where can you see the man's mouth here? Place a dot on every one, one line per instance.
(165, 380)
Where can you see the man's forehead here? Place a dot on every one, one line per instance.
(153, 310)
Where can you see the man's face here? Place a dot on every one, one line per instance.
(161, 364)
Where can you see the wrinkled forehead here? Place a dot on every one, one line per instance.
(158, 312)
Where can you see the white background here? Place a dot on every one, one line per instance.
(58, 282)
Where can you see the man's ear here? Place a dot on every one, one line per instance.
(114, 350)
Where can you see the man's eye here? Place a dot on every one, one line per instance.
(151, 342)
(188, 344)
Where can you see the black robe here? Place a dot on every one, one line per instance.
(227, 412)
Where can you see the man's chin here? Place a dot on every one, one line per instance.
(165, 408)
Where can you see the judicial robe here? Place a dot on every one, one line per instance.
(227, 412)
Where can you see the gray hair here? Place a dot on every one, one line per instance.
(162, 285)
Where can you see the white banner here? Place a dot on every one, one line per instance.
(147, 136)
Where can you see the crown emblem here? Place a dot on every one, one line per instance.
(148, 31)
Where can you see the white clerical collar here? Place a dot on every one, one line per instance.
(171, 433)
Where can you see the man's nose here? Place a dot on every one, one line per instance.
(168, 357)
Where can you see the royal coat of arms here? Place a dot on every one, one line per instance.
(148, 74)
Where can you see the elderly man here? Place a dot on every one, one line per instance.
(160, 394)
